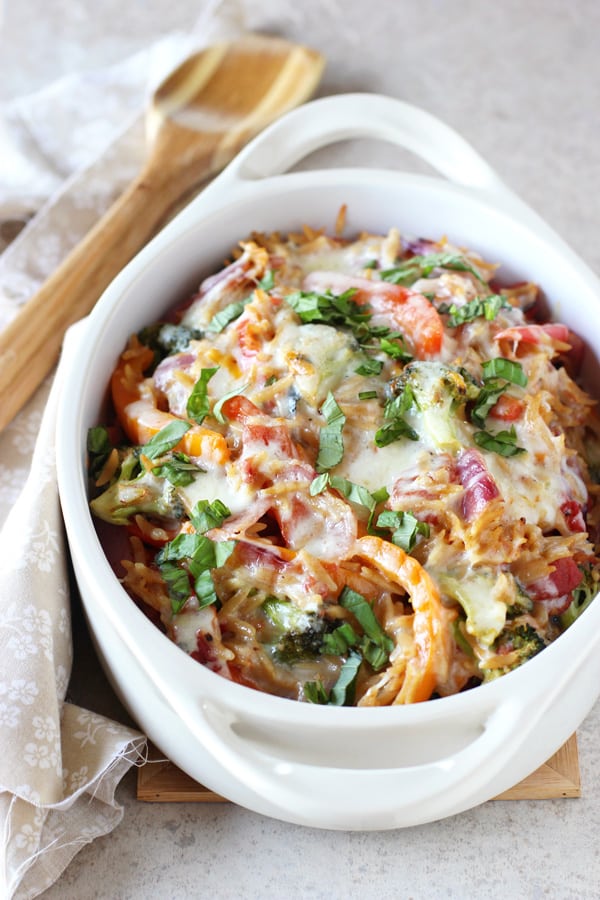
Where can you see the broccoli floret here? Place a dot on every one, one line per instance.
(522, 604)
(297, 645)
(432, 393)
(132, 494)
(583, 595)
(166, 338)
(519, 642)
(294, 634)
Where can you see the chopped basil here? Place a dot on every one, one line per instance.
(396, 349)
(355, 493)
(370, 264)
(339, 641)
(493, 388)
(370, 366)
(362, 610)
(267, 282)
(198, 555)
(417, 267)
(228, 314)
(334, 309)
(331, 444)
(395, 426)
(504, 368)
(405, 528)
(178, 585)
(179, 470)
(486, 399)
(394, 430)
(504, 443)
(166, 439)
(315, 692)
(206, 515)
(481, 307)
(342, 693)
(99, 449)
(236, 392)
(198, 406)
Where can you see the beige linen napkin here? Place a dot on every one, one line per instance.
(66, 153)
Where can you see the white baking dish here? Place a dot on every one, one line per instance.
(365, 768)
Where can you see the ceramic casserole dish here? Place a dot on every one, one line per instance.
(323, 766)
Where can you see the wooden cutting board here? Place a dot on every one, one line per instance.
(159, 781)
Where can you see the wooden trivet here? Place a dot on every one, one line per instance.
(160, 781)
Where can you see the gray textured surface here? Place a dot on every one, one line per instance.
(521, 81)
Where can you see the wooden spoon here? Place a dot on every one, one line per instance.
(200, 117)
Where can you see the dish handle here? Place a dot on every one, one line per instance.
(360, 115)
(363, 798)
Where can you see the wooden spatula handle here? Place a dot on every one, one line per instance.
(30, 346)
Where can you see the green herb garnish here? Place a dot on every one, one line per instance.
(206, 515)
(498, 373)
(179, 469)
(417, 267)
(405, 528)
(267, 282)
(331, 444)
(198, 406)
(99, 449)
(395, 425)
(504, 368)
(504, 443)
(362, 610)
(481, 307)
(197, 555)
(166, 439)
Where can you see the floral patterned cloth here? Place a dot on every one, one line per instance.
(60, 764)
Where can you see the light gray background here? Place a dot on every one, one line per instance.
(520, 79)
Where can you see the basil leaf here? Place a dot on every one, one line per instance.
(314, 692)
(342, 693)
(367, 395)
(394, 430)
(339, 641)
(179, 470)
(481, 307)
(167, 438)
(228, 314)
(486, 399)
(178, 585)
(405, 528)
(331, 444)
(362, 610)
(236, 392)
(504, 368)
(376, 656)
(199, 555)
(355, 493)
(396, 350)
(417, 267)
(206, 515)
(267, 282)
(504, 443)
(99, 449)
(370, 367)
(204, 588)
(395, 426)
(319, 484)
(493, 370)
(198, 407)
